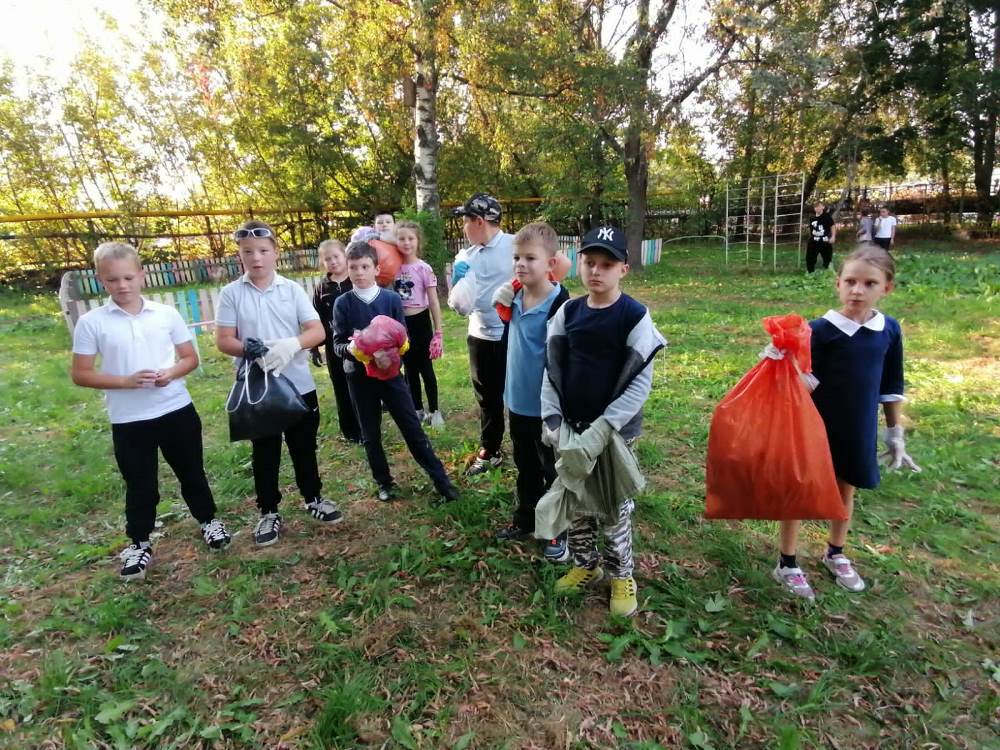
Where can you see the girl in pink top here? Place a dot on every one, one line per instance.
(416, 284)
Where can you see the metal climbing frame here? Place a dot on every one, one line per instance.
(763, 214)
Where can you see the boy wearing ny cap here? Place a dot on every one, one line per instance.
(598, 375)
(491, 256)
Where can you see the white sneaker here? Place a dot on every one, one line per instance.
(435, 419)
(844, 573)
(135, 559)
(794, 580)
(267, 530)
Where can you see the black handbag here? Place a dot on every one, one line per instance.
(262, 404)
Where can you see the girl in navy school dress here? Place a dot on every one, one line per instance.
(857, 359)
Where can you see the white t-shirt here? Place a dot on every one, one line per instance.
(277, 312)
(884, 226)
(128, 343)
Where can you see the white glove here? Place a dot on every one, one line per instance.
(280, 353)
(895, 454)
(810, 381)
(772, 352)
(550, 437)
(504, 295)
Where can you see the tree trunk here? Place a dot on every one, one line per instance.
(637, 177)
(425, 140)
(984, 129)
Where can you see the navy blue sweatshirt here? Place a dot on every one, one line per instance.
(351, 313)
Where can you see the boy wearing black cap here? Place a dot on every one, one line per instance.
(598, 375)
(491, 257)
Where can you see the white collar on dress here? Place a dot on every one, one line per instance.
(850, 327)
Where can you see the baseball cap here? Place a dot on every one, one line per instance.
(483, 205)
(607, 239)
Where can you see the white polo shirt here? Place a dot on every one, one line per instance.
(494, 266)
(277, 312)
(128, 343)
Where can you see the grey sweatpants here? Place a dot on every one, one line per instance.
(618, 543)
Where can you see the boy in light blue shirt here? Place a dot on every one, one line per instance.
(530, 301)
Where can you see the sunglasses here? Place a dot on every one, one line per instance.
(262, 232)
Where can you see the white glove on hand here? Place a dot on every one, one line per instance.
(895, 453)
(550, 437)
(771, 352)
(504, 295)
(280, 353)
(810, 381)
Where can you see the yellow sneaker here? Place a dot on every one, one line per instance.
(623, 599)
(578, 579)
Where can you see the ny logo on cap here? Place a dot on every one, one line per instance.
(606, 233)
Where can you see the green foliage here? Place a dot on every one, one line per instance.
(435, 251)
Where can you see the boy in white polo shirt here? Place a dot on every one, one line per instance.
(145, 351)
(265, 306)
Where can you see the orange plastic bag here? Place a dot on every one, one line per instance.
(768, 456)
(389, 261)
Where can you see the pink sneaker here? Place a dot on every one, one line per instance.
(845, 574)
(795, 581)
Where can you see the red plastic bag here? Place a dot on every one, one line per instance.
(383, 333)
(768, 456)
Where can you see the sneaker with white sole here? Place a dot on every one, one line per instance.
(215, 535)
(483, 462)
(267, 530)
(435, 419)
(844, 573)
(794, 580)
(324, 510)
(556, 550)
(135, 559)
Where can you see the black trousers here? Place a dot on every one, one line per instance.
(417, 360)
(488, 365)
(536, 467)
(814, 248)
(369, 394)
(177, 436)
(885, 242)
(266, 456)
(347, 416)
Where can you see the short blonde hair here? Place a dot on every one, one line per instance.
(115, 251)
(540, 232)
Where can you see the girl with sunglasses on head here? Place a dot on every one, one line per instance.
(264, 306)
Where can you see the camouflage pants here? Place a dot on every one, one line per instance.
(617, 554)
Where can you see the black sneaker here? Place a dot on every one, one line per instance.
(215, 535)
(483, 462)
(267, 529)
(511, 533)
(386, 492)
(323, 510)
(135, 559)
(449, 494)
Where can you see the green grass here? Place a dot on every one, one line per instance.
(410, 627)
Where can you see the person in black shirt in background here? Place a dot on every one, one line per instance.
(822, 235)
(334, 261)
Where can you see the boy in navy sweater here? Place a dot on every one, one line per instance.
(352, 312)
